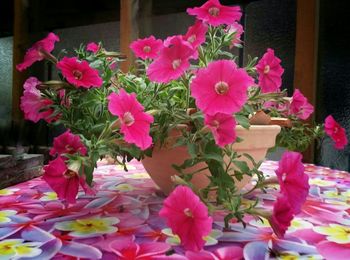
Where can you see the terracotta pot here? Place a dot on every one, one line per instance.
(256, 141)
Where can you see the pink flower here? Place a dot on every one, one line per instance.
(63, 181)
(171, 62)
(135, 123)
(147, 48)
(34, 106)
(215, 14)
(188, 217)
(221, 87)
(93, 47)
(270, 72)
(34, 53)
(223, 128)
(195, 34)
(300, 106)
(237, 29)
(79, 73)
(293, 181)
(130, 250)
(336, 132)
(222, 253)
(67, 143)
(282, 216)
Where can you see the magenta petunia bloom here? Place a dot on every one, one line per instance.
(222, 127)
(147, 48)
(34, 106)
(195, 34)
(270, 72)
(300, 106)
(171, 62)
(215, 14)
(63, 181)
(34, 53)
(294, 183)
(67, 143)
(135, 123)
(221, 87)
(79, 73)
(282, 216)
(93, 47)
(336, 132)
(187, 217)
(237, 29)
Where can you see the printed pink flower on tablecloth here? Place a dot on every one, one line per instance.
(147, 48)
(300, 106)
(336, 132)
(215, 14)
(282, 216)
(64, 182)
(188, 217)
(34, 53)
(79, 73)
(294, 183)
(270, 72)
(222, 253)
(221, 87)
(195, 34)
(135, 123)
(93, 47)
(172, 61)
(222, 127)
(130, 250)
(237, 29)
(34, 106)
(68, 143)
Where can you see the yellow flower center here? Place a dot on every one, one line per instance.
(176, 64)
(266, 69)
(188, 212)
(192, 38)
(128, 119)
(77, 74)
(221, 87)
(214, 11)
(146, 49)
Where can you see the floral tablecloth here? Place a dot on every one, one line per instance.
(122, 222)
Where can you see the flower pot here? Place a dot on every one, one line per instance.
(256, 141)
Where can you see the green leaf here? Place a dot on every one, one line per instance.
(243, 121)
(242, 165)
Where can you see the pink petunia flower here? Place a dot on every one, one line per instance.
(300, 106)
(215, 14)
(147, 48)
(221, 87)
(171, 62)
(222, 127)
(336, 132)
(135, 123)
(79, 73)
(34, 106)
(67, 143)
(282, 216)
(93, 47)
(188, 217)
(63, 181)
(270, 72)
(195, 34)
(293, 181)
(237, 29)
(34, 53)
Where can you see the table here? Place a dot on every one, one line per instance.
(121, 222)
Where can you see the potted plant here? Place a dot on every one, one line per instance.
(188, 105)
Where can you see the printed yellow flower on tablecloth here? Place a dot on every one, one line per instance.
(336, 233)
(49, 196)
(15, 248)
(5, 214)
(321, 183)
(89, 227)
(6, 192)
